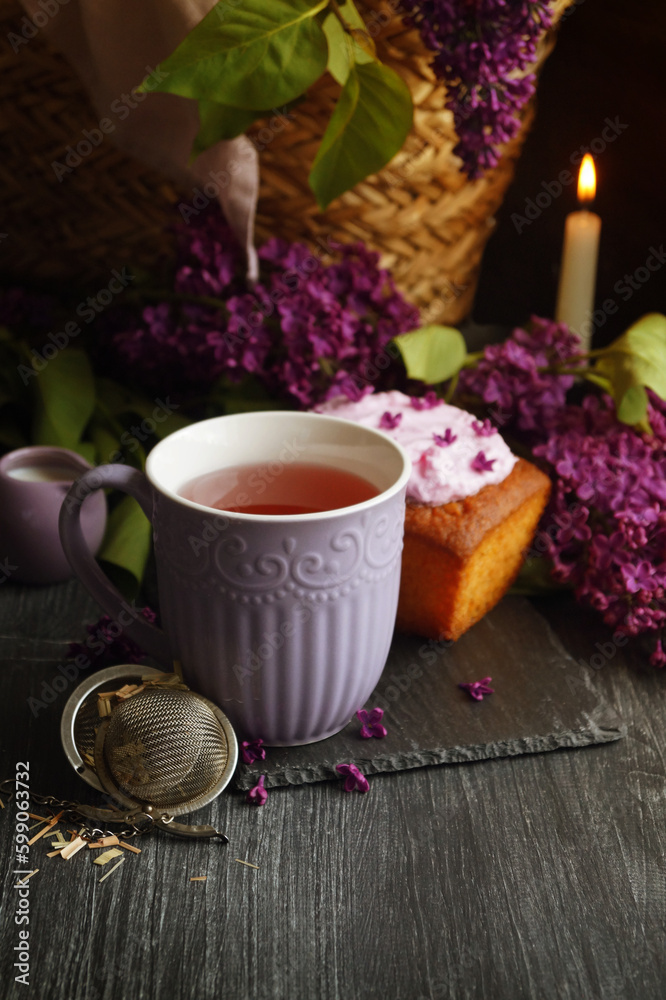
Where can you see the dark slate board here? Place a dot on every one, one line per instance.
(542, 701)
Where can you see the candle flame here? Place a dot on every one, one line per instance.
(587, 181)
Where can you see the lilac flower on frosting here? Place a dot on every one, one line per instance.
(485, 429)
(442, 440)
(389, 421)
(482, 464)
(427, 402)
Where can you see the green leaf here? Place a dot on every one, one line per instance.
(433, 353)
(639, 355)
(160, 413)
(87, 450)
(632, 408)
(107, 444)
(243, 397)
(350, 14)
(364, 46)
(220, 121)
(256, 56)
(340, 49)
(367, 128)
(114, 397)
(127, 540)
(64, 401)
(346, 47)
(632, 363)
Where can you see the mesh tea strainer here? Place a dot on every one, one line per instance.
(160, 752)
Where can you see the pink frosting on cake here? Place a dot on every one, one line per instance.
(453, 455)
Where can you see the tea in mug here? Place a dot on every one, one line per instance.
(275, 488)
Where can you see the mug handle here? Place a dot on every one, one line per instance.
(120, 477)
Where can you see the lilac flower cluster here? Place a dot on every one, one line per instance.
(605, 527)
(523, 398)
(117, 647)
(480, 46)
(308, 330)
(607, 514)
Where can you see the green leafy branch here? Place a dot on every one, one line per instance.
(631, 364)
(242, 62)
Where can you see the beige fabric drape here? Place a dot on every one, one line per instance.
(113, 45)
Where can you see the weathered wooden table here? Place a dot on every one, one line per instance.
(539, 876)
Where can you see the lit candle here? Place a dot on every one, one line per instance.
(578, 273)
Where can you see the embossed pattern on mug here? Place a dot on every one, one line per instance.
(266, 604)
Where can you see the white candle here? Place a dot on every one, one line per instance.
(578, 272)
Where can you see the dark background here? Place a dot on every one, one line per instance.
(609, 62)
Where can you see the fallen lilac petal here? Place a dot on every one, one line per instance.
(257, 796)
(252, 750)
(376, 730)
(354, 778)
(111, 646)
(370, 715)
(477, 689)
(371, 723)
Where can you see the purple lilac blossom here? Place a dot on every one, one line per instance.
(117, 647)
(477, 689)
(258, 795)
(479, 49)
(355, 780)
(445, 439)
(484, 429)
(308, 330)
(522, 399)
(605, 527)
(389, 421)
(482, 464)
(371, 723)
(426, 402)
(252, 750)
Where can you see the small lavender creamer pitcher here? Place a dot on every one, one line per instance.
(278, 540)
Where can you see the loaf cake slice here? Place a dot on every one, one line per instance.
(460, 558)
(472, 509)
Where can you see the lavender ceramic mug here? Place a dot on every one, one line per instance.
(285, 621)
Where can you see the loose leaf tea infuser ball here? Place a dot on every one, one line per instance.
(159, 749)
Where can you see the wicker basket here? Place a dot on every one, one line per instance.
(428, 221)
